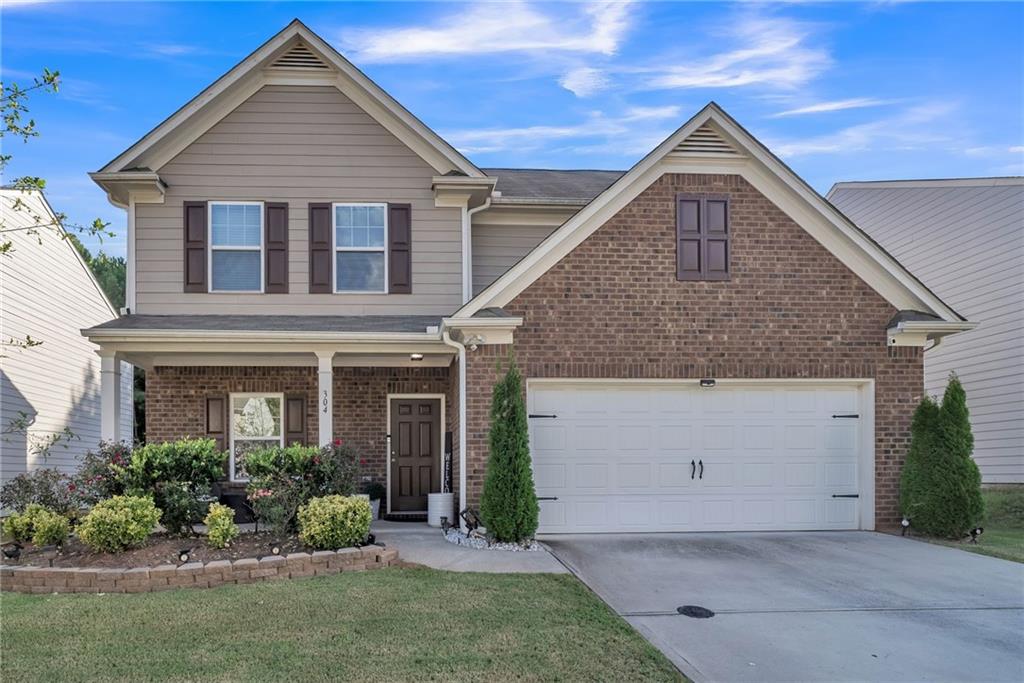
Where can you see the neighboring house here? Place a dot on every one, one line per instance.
(308, 261)
(965, 239)
(48, 293)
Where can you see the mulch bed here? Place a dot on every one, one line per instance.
(160, 549)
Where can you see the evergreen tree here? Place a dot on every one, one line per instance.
(508, 506)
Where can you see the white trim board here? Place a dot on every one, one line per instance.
(387, 447)
(763, 170)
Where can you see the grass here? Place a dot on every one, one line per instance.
(1004, 525)
(389, 625)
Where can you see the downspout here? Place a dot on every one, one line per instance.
(446, 338)
(467, 248)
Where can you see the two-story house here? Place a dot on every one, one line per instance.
(707, 343)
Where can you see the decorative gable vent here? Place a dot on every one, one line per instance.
(705, 142)
(300, 57)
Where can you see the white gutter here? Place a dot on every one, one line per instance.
(467, 248)
(256, 336)
(446, 338)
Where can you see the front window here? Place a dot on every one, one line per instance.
(256, 422)
(360, 236)
(236, 247)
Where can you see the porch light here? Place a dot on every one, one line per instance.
(415, 357)
(707, 382)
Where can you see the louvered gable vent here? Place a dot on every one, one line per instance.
(705, 142)
(300, 57)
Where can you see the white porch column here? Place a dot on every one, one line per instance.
(325, 396)
(110, 396)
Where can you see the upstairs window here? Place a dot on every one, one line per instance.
(360, 244)
(236, 246)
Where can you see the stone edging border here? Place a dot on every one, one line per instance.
(32, 579)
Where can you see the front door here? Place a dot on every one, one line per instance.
(415, 452)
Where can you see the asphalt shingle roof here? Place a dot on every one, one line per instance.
(535, 183)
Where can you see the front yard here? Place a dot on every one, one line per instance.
(391, 625)
(1004, 525)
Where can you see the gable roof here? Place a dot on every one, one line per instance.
(713, 142)
(295, 55)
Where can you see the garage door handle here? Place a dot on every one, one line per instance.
(534, 415)
(846, 495)
(693, 468)
(701, 463)
(547, 497)
(852, 416)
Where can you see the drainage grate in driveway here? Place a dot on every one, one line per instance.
(695, 611)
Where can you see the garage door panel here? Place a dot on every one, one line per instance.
(618, 457)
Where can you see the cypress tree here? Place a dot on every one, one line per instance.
(508, 506)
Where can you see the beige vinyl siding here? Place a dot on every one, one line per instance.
(504, 235)
(298, 144)
(47, 293)
(964, 240)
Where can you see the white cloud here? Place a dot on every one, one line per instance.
(1017, 149)
(492, 28)
(834, 105)
(910, 129)
(598, 129)
(584, 81)
(768, 52)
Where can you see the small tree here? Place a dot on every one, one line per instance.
(941, 485)
(508, 506)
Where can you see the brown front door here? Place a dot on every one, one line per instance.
(415, 452)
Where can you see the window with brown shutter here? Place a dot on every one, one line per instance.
(275, 226)
(702, 237)
(399, 248)
(320, 249)
(194, 231)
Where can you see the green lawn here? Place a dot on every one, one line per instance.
(388, 625)
(1004, 525)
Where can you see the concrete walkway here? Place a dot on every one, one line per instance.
(419, 543)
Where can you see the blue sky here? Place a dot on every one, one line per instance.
(841, 91)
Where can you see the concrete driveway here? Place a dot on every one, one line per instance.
(811, 606)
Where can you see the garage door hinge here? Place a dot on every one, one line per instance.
(536, 415)
(854, 416)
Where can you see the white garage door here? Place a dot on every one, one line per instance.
(626, 456)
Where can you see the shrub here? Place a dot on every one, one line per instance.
(118, 523)
(19, 525)
(332, 522)
(508, 505)
(49, 528)
(275, 500)
(101, 474)
(220, 525)
(176, 474)
(940, 486)
(47, 487)
(335, 470)
(375, 490)
(295, 460)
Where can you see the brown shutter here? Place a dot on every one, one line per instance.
(688, 238)
(275, 227)
(217, 420)
(320, 248)
(716, 238)
(195, 247)
(399, 249)
(294, 419)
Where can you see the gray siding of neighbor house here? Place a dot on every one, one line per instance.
(47, 293)
(298, 145)
(964, 240)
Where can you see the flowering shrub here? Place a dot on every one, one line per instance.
(101, 474)
(118, 523)
(332, 522)
(47, 487)
(220, 526)
(275, 500)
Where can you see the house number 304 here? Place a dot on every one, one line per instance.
(323, 403)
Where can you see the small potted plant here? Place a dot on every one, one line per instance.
(375, 490)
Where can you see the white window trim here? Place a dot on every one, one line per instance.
(211, 247)
(231, 427)
(335, 248)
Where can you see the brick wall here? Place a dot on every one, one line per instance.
(613, 308)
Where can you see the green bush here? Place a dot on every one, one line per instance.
(118, 523)
(220, 526)
(46, 486)
(275, 500)
(176, 474)
(101, 474)
(21, 526)
(334, 522)
(49, 528)
(508, 506)
(295, 460)
(940, 486)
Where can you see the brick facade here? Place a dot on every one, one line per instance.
(613, 308)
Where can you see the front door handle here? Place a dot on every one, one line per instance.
(693, 469)
(701, 463)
